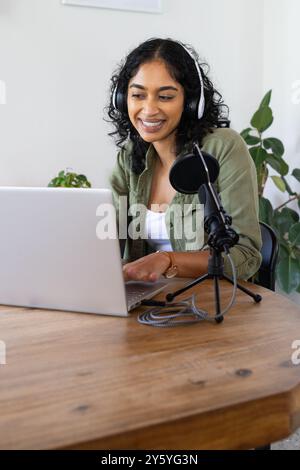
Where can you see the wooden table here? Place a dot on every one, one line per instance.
(98, 382)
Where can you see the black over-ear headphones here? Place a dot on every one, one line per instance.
(194, 108)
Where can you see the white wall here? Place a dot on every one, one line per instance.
(281, 72)
(56, 62)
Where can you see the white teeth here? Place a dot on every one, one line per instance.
(151, 124)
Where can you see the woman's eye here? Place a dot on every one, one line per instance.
(137, 96)
(166, 97)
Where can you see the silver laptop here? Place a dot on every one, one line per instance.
(53, 253)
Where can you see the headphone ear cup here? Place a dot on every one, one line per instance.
(121, 101)
(191, 109)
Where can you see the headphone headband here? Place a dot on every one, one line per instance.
(201, 103)
(114, 97)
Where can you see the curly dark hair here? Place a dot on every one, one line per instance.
(182, 68)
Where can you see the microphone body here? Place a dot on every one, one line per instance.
(216, 221)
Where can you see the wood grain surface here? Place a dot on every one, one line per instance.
(97, 382)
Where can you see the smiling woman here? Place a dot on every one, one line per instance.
(162, 103)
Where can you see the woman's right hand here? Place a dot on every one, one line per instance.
(148, 268)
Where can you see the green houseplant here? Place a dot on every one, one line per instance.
(68, 179)
(267, 152)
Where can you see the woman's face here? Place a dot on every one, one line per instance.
(155, 102)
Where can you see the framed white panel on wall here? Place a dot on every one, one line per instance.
(148, 6)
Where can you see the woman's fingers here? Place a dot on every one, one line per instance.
(148, 268)
(153, 277)
(136, 273)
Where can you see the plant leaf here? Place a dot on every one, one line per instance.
(266, 99)
(259, 155)
(279, 183)
(265, 211)
(284, 251)
(288, 273)
(252, 140)
(275, 145)
(296, 173)
(287, 186)
(294, 235)
(246, 132)
(283, 220)
(278, 164)
(70, 179)
(262, 119)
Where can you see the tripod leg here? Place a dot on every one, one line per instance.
(256, 297)
(219, 318)
(172, 295)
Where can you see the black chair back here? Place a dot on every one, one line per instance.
(269, 251)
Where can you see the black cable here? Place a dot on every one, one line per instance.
(153, 303)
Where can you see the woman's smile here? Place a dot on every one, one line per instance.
(151, 126)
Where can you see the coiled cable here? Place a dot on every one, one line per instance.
(186, 311)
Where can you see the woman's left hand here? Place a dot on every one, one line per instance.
(148, 268)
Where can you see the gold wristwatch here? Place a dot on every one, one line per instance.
(172, 269)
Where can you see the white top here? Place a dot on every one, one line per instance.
(156, 230)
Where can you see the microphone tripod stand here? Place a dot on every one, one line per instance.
(216, 272)
(221, 237)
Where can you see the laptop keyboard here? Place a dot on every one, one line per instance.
(137, 291)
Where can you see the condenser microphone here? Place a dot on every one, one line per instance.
(189, 171)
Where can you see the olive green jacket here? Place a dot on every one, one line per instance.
(236, 185)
